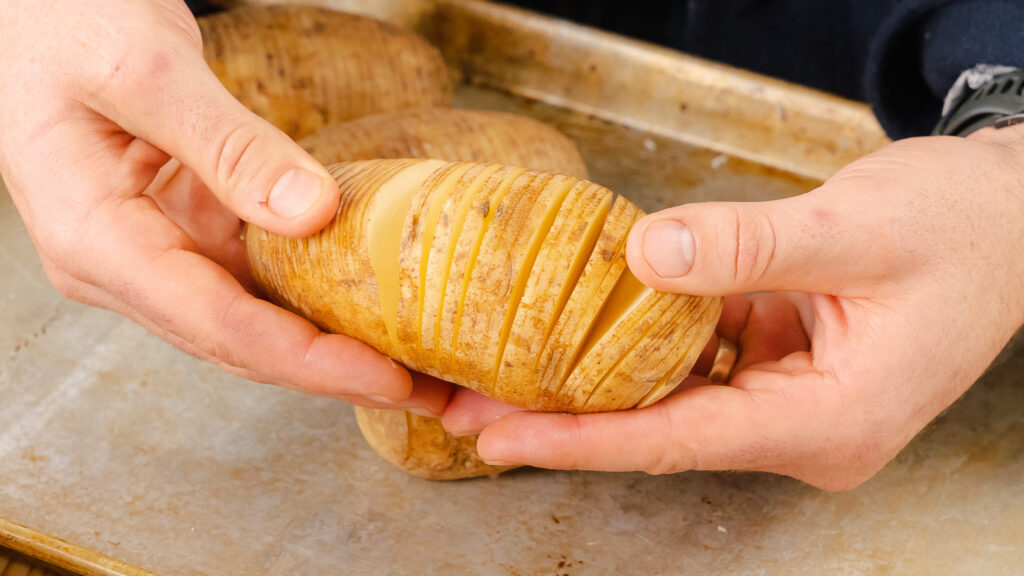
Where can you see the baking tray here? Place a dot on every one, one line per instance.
(132, 450)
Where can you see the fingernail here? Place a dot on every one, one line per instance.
(463, 433)
(380, 399)
(668, 248)
(499, 463)
(295, 193)
(422, 412)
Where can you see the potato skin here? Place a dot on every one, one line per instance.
(303, 68)
(450, 134)
(421, 446)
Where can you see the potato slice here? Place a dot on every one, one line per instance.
(674, 375)
(293, 271)
(388, 211)
(436, 265)
(559, 266)
(605, 265)
(653, 356)
(463, 261)
(503, 266)
(629, 311)
(414, 256)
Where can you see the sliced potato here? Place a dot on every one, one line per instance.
(635, 346)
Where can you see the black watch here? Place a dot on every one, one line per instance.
(997, 102)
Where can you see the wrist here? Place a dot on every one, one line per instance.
(1006, 150)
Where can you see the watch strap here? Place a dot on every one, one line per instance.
(997, 101)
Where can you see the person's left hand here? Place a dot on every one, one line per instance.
(133, 167)
(881, 297)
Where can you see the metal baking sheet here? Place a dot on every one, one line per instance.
(115, 441)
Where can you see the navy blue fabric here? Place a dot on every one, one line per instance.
(924, 46)
(200, 7)
(967, 33)
(819, 43)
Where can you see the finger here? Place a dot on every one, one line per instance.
(819, 242)
(735, 310)
(469, 412)
(251, 166)
(703, 428)
(707, 356)
(147, 268)
(694, 380)
(429, 395)
(773, 331)
(147, 263)
(428, 398)
(216, 230)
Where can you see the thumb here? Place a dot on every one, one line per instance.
(174, 101)
(818, 242)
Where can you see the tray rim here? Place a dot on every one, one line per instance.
(60, 554)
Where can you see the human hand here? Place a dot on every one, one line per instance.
(131, 167)
(880, 297)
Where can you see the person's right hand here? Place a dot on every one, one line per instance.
(131, 166)
(874, 302)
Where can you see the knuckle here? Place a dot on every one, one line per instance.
(681, 453)
(237, 155)
(668, 463)
(117, 69)
(841, 480)
(127, 67)
(575, 434)
(65, 284)
(183, 21)
(61, 256)
(227, 335)
(756, 242)
(148, 40)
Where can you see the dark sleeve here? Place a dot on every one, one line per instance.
(200, 7)
(923, 47)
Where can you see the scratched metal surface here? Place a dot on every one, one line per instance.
(114, 440)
